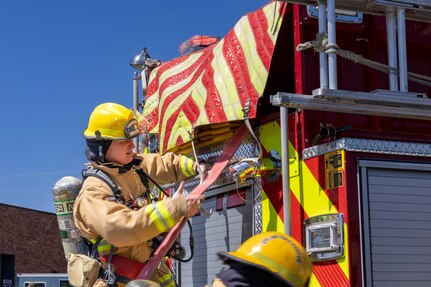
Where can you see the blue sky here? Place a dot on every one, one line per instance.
(60, 59)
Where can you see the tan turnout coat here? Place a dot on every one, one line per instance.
(130, 231)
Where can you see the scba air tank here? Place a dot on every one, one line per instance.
(65, 192)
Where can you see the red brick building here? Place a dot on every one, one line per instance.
(32, 238)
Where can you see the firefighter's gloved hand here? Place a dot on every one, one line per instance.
(202, 169)
(180, 205)
(193, 202)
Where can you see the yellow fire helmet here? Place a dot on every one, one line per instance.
(110, 121)
(276, 253)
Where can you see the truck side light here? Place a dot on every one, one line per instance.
(324, 238)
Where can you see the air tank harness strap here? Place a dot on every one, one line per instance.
(143, 177)
(107, 179)
(114, 187)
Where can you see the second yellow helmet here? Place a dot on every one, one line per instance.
(276, 253)
(111, 121)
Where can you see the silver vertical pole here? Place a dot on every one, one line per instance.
(284, 122)
(391, 30)
(402, 50)
(323, 58)
(136, 104)
(332, 40)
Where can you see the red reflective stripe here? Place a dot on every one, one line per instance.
(264, 44)
(235, 59)
(214, 108)
(190, 109)
(196, 67)
(152, 87)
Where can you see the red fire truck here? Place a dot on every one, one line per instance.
(336, 94)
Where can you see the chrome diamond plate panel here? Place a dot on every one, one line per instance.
(210, 154)
(257, 206)
(370, 146)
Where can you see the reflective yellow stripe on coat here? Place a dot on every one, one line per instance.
(167, 280)
(159, 216)
(187, 166)
(104, 247)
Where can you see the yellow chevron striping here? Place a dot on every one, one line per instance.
(270, 136)
(314, 282)
(303, 185)
(179, 129)
(175, 70)
(225, 84)
(256, 69)
(270, 139)
(270, 219)
(274, 23)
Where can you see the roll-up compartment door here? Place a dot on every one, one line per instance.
(229, 225)
(396, 222)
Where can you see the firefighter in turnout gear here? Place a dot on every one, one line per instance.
(266, 259)
(123, 222)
